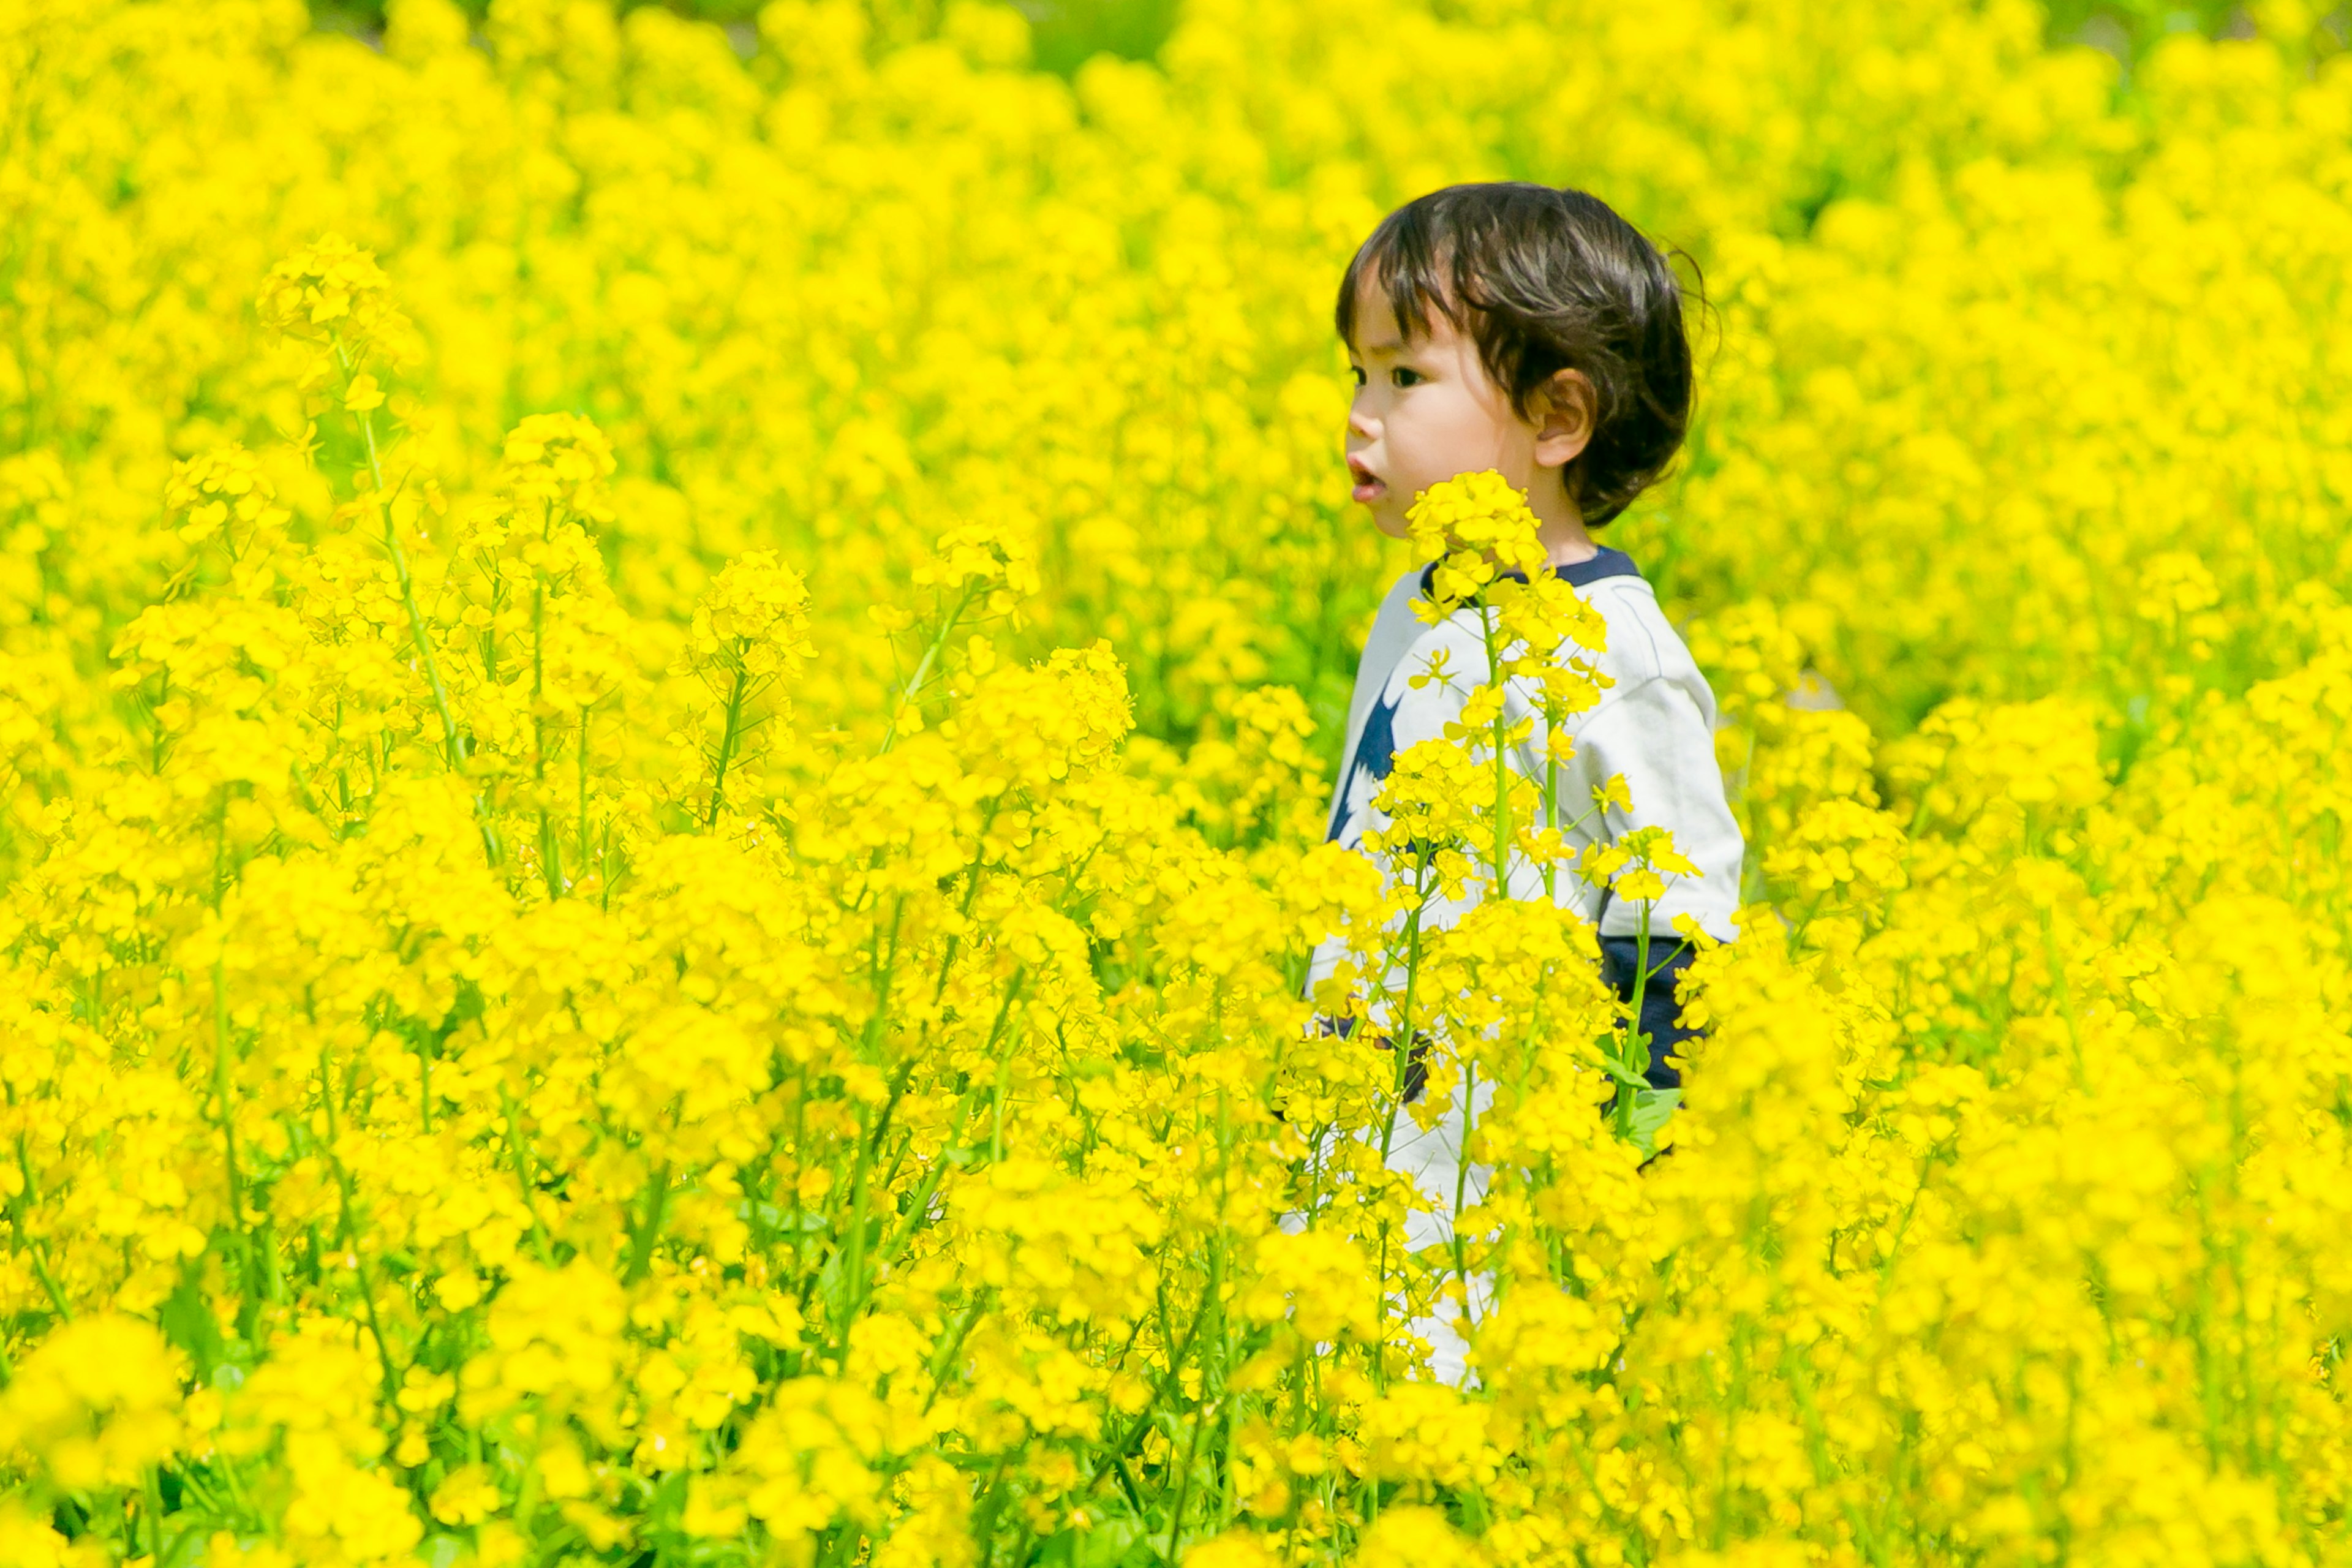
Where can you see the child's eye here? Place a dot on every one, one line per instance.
(1358, 372)
(1405, 376)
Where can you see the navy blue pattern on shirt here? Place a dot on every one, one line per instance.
(1374, 760)
(1375, 754)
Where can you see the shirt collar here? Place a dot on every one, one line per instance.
(1605, 563)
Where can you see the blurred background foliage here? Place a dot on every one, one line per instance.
(1066, 34)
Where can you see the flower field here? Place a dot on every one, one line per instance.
(665, 709)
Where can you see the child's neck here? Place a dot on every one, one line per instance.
(1560, 531)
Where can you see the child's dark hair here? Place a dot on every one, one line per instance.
(1546, 280)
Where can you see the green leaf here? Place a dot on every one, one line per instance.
(1651, 1107)
(188, 1322)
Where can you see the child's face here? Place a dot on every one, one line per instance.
(1425, 410)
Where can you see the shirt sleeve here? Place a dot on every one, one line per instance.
(1654, 733)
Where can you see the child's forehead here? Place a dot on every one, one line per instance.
(1379, 329)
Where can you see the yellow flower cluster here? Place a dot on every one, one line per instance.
(664, 699)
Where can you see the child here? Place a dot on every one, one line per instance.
(1533, 332)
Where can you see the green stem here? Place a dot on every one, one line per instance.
(225, 1094)
(519, 1154)
(1637, 1043)
(727, 744)
(945, 1355)
(550, 857)
(425, 1082)
(1462, 1182)
(583, 767)
(450, 735)
(1500, 727)
(453, 740)
(1167, 1380)
(648, 1232)
(153, 1486)
(1402, 1045)
(918, 1208)
(914, 686)
(349, 1232)
(1003, 1065)
(1551, 805)
(1184, 1477)
(49, 1281)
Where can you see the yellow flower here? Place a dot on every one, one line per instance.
(96, 1404)
(1402, 1537)
(465, 1496)
(1234, 1549)
(733, 960)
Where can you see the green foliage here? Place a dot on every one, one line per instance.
(1066, 33)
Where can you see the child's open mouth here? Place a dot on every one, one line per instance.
(1370, 486)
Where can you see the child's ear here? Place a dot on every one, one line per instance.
(1566, 409)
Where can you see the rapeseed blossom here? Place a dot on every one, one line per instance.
(660, 801)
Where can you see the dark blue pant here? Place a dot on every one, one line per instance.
(1621, 965)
